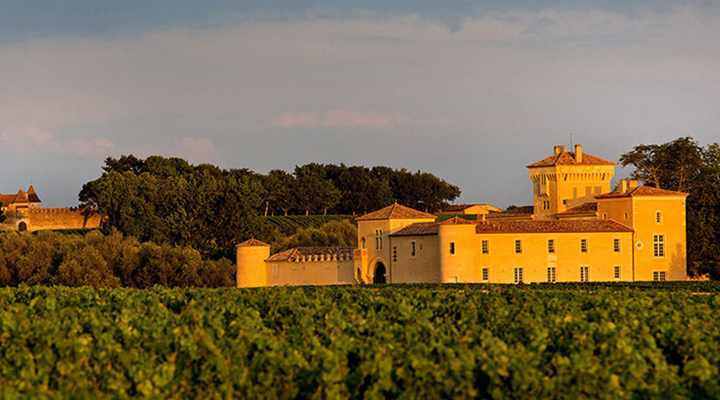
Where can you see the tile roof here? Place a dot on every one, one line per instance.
(7, 199)
(585, 208)
(641, 191)
(568, 158)
(21, 197)
(457, 221)
(395, 211)
(552, 226)
(418, 229)
(298, 253)
(252, 243)
(545, 226)
(32, 196)
(522, 210)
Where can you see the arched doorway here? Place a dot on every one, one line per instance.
(379, 276)
(22, 226)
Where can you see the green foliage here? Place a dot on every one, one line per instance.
(291, 223)
(94, 259)
(168, 200)
(334, 233)
(452, 341)
(683, 165)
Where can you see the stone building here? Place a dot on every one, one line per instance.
(577, 230)
(23, 212)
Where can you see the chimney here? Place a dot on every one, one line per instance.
(623, 185)
(632, 184)
(559, 149)
(578, 153)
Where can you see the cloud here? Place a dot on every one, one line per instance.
(25, 139)
(351, 117)
(28, 140)
(300, 119)
(90, 149)
(197, 151)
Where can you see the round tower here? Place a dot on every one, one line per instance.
(251, 256)
(458, 251)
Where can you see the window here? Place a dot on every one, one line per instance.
(584, 274)
(452, 247)
(604, 216)
(412, 249)
(485, 274)
(485, 244)
(551, 274)
(626, 216)
(583, 245)
(659, 275)
(518, 246)
(275, 269)
(658, 217)
(616, 245)
(551, 246)
(518, 275)
(617, 272)
(378, 239)
(564, 202)
(363, 243)
(659, 245)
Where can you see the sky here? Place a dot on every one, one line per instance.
(469, 91)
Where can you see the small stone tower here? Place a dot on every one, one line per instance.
(251, 271)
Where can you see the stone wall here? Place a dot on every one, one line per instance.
(52, 218)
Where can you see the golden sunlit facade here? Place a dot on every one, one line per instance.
(577, 230)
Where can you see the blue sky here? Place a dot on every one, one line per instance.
(470, 91)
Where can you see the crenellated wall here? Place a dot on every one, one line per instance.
(61, 218)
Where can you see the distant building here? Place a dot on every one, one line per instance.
(576, 230)
(471, 209)
(23, 212)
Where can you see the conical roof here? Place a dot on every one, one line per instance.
(396, 211)
(253, 243)
(32, 196)
(21, 197)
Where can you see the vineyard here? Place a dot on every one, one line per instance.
(289, 224)
(430, 341)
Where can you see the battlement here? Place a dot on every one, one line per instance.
(55, 209)
(61, 218)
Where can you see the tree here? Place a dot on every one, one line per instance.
(314, 191)
(278, 186)
(673, 165)
(683, 165)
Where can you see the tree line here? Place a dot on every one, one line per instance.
(168, 200)
(105, 260)
(683, 165)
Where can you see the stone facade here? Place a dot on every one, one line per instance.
(23, 212)
(576, 230)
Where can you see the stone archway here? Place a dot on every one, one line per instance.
(380, 273)
(22, 226)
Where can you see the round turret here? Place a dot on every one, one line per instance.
(251, 270)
